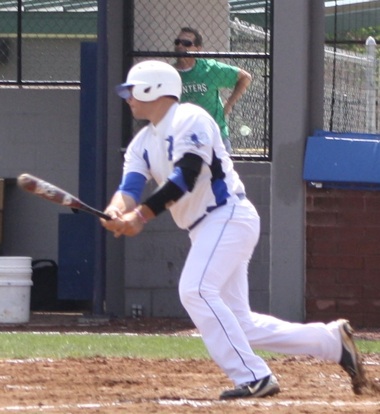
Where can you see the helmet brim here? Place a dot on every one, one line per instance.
(123, 90)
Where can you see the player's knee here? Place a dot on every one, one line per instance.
(195, 297)
(189, 296)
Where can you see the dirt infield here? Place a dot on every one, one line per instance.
(124, 385)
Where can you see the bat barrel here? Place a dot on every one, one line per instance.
(55, 194)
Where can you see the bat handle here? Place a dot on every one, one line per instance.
(105, 216)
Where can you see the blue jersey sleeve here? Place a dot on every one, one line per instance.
(133, 184)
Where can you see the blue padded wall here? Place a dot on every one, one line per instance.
(346, 160)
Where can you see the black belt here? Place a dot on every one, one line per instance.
(241, 196)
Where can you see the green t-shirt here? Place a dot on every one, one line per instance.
(201, 86)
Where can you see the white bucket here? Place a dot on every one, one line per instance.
(15, 261)
(15, 285)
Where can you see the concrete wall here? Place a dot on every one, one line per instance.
(55, 59)
(39, 135)
(295, 99)
(115, 285)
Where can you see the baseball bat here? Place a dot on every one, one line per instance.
(50, 192)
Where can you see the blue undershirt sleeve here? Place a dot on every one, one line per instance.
(133, 184)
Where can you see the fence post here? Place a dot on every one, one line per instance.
(371, 84)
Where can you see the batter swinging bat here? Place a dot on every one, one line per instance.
(55, 194)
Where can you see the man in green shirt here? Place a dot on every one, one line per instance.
(203, 79)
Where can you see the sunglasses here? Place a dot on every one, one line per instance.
(183, 42)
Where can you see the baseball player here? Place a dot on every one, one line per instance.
(181, 149)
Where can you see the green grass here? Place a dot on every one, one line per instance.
(32, 345)
(368, 347)
(28, 345)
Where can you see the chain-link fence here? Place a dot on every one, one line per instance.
(40, 40)
(352, 66)
(351, 91)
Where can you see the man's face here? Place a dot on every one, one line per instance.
(185, 42)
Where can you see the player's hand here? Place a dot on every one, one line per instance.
(116, 215)
(113, 211)
(129, 225)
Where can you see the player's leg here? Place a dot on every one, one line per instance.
(269, 333)
(332, 341)
(316, 339)
(219, 245)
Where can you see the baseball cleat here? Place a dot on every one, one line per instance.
(350, 360)
(262, 388)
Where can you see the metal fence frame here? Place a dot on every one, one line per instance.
(23, 7)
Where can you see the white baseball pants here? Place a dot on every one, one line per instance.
(214, 290)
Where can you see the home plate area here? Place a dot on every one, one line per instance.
(121, 385)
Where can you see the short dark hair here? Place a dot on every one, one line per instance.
(196, 33)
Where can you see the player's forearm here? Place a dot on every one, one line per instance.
(121, 202)
(144, 213)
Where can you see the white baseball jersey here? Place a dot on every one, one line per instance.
(186, 128)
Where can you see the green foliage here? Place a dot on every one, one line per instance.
(56, 346)
(355, 40)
